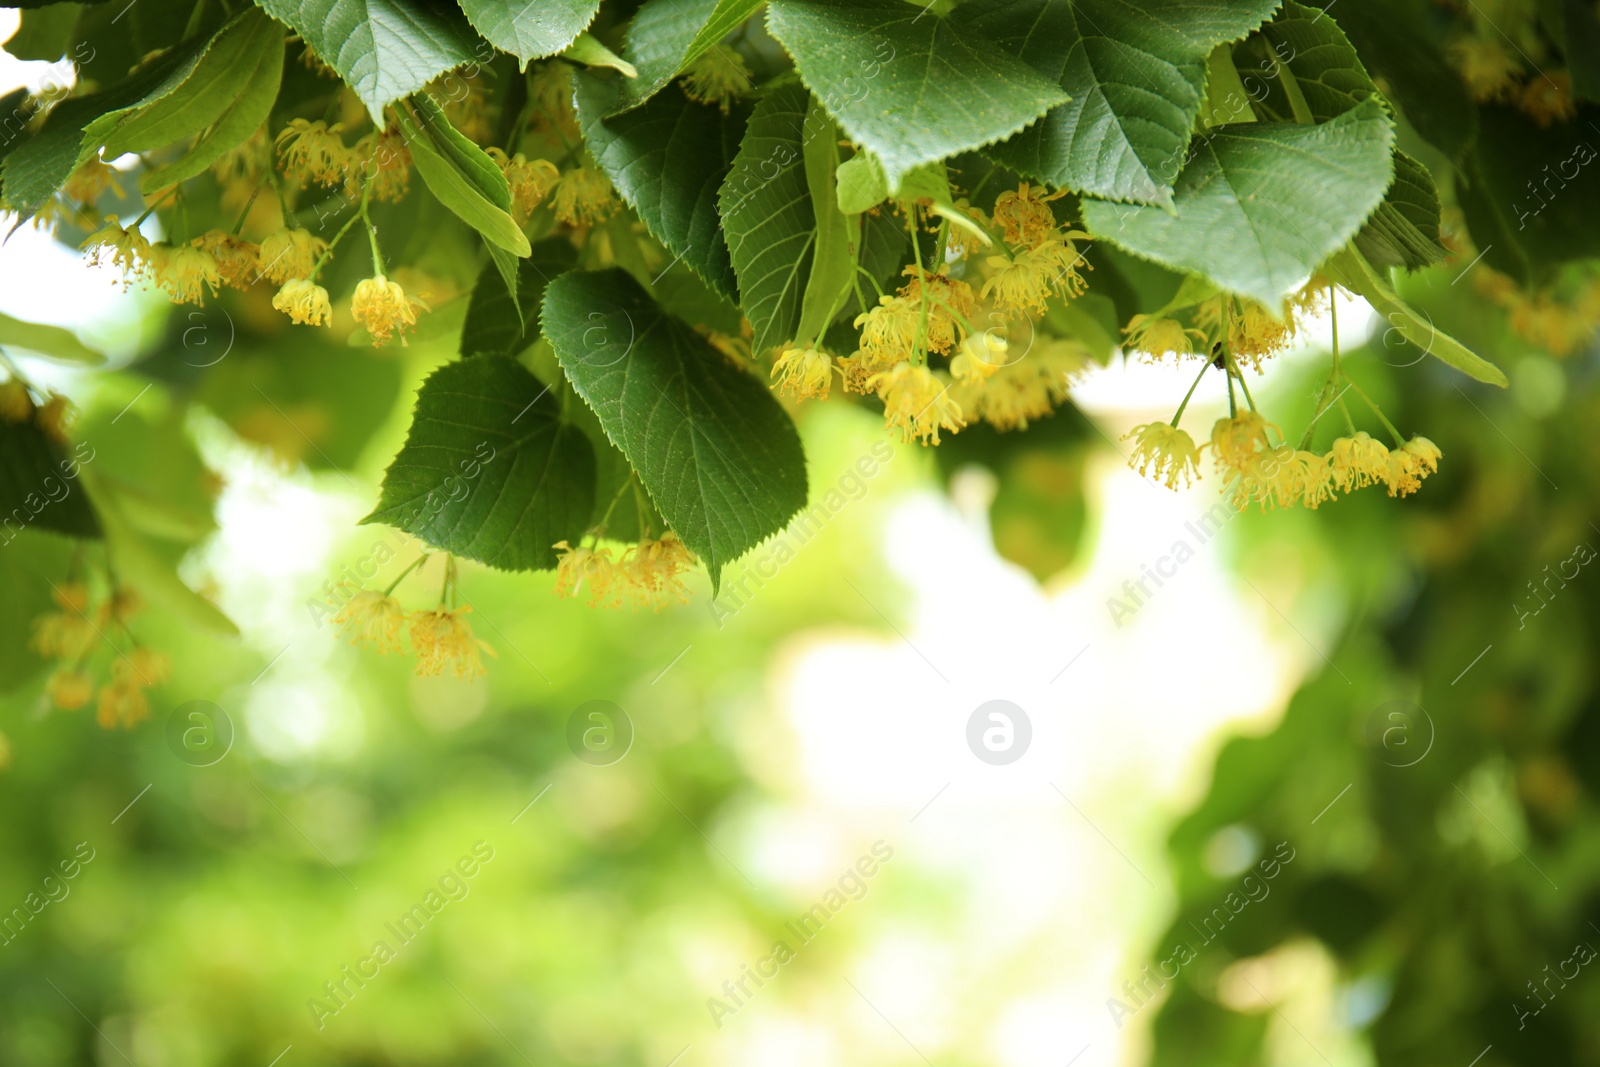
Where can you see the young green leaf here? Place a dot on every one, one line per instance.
(665, 36)
(718, 455)
(912, 86)
(52, 341)
(1357, 275)
(218, 80)
(668, 158)
(500, 324)
(528, 30)
(242, 117)
(462, 176)
(1262, 204)
(383, 49)
(1136, 75)
(489, 470)
(589, 51)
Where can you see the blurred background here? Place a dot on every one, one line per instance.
(1277, 788)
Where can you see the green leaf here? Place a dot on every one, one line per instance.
(220, 78)
(1136, 74)
(461, 175)
(833, 264)
(40, 486)
(588, 50)
(1544, 185)
(1404, 231)
(530, 31)
(657, 43)
(489, 470)
(668, 158)
(500, 324)
(728, 16)
(141, 567)
(717, 454)
(241, 118)
(1357, 275)
(769, 220)
(911, 86)
(1262, 204)
(37, 167)
(44, 34)
(52, 341)
(383, 49)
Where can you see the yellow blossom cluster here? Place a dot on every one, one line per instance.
(17, 406)
(718, 76)
(70, 636)
(1493, 74)
(441, 639)
(1029, 259)
(645, 575)
(1561, 325)
(1279, 475)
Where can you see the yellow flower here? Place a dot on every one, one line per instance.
(237, 259)
(889, 331)
(1156, 337)
(651, 569)
(383, 308)
(69, 688)
(380, 162)
(442, 639)
(947, 298)
(1548, 98)
(804, 373)
(1270, 477)
(90, 181)
(248, 162)
(142, 667)
(1165, 454)
(1487, 68)
(122, 703)
(551, 91)
(1358, 461)
(287, 254)
(1409, 464)
(305, 302)
(65, 634)
(594, 567)
(16, 403)
(1551, 325)
(122, 605)
(584, 197)
(370, 618)
(1024, 215)
(1254, 333)
(718, 76)
(313, 151)
(1306, 478)
(962, 240)
(980, 357)
(917, 402)
(1024, 284)
(127, 250)
(1025, 389)
(1236, 442)
(185, 272)
(530, 182)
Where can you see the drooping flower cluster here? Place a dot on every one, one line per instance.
(440, 637)
(919, 349)
(1560, 320)
(648, 574)
(72, 637)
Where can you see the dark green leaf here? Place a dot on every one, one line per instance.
(489, 470)
(1404, 231)
(499, 324)
(1136, 75)
(912, 86)
(40, 484)
(668, 159)
(1543, 183)
(530, 30)
(384, 49)
(657, 43)
(718, 455)
(1262, 204)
